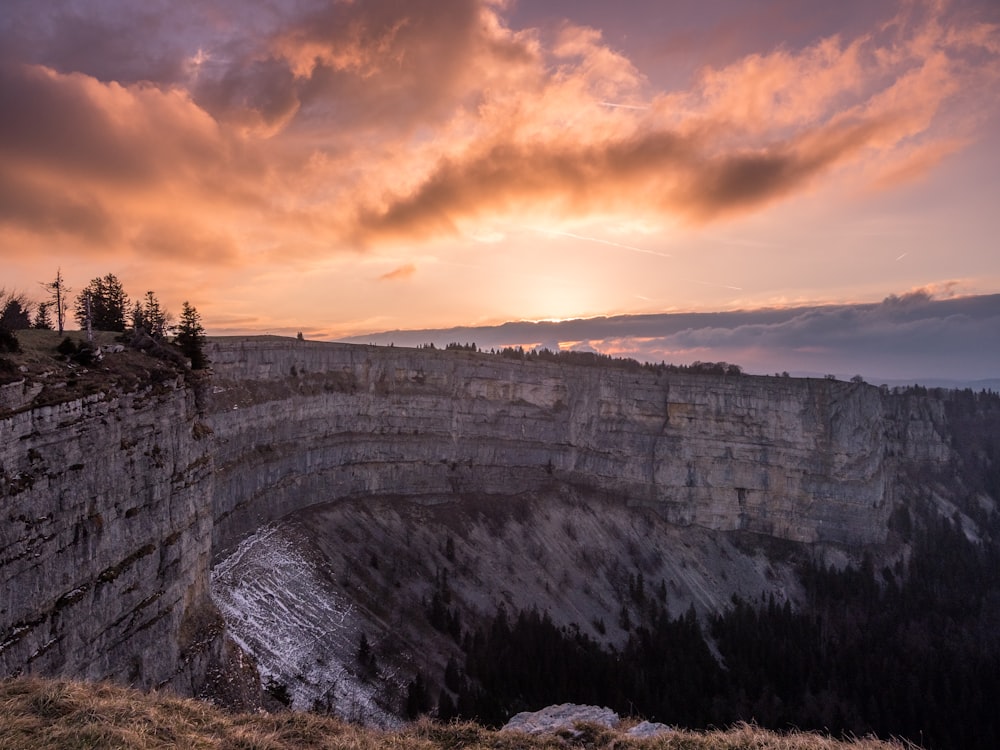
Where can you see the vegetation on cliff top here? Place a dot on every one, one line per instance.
(30, 352)
(64, 377)
(36, 714)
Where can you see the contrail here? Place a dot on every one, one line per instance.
(623, 106)
(603, 242)
(721, 286)
(902, 256)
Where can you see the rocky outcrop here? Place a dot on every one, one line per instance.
(565, 718)
(114, 504)
(561, 718)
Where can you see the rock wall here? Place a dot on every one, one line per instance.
(804, 460)
(114, 505)
(105, 539)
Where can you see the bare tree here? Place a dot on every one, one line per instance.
(59, 295)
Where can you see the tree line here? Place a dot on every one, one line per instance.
(593, 359)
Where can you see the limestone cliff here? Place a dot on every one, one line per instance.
(105, 537)
(804, 460)
(114, 504)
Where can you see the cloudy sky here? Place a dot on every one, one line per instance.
(339, 167)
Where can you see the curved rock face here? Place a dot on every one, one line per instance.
(804, 460)
(114, 505)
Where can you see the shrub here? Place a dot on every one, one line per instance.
(9, 342)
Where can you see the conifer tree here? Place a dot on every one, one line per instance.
(42, 320)
(190, 336)
(14, 311)
(108, 304)
(150, 317)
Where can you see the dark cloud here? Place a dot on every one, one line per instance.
(258, 93)
(36, 208)
(110, 41)
(37, 106)
(77, 127)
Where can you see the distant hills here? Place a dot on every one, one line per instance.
(902, 340)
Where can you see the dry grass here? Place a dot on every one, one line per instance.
(39, 347)
(38, 714)
(38, 362)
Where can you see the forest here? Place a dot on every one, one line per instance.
(906, 652)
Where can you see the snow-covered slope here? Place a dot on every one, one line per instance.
(303, 632)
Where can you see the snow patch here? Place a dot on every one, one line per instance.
(303, 633)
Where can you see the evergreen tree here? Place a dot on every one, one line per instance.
(42, 320)
(8, 341)
(13, 315)
(452, 676)
(150, 317)
(14, 311)
(108, 304)
(190, 337)
(417, 700)
(446, 707)
(136, 317)
(366, 656)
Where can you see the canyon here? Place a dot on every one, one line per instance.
(116, 505)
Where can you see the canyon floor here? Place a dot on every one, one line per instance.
(301, 593)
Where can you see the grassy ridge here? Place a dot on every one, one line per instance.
(37, 714)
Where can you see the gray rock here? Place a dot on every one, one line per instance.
(648, 729)
(563, 717)
(803, 460)
(106, 550)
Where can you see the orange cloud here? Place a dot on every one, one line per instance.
(680, 175)
(756, 131)
(361, 123)
(915, 163)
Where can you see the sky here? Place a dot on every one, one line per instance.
(340, 168)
